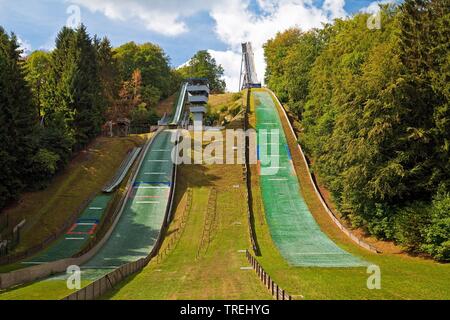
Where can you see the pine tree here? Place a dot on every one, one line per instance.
(77, 93)
(18, 120)
(37, 66)
(107, 72)
(85, 89)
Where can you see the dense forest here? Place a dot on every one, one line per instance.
(375, 117)
(52, 104)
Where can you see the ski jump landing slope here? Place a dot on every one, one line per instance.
(143, 217)
(292, 226)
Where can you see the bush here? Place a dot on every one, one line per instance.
(410, 223)
(437, 234)
(381, 223)
(45, 165)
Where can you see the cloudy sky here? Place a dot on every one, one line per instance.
(180, 27)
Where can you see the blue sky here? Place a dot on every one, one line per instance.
(180, 27)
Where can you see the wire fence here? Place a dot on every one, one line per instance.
(107, 283)
(176, 236)
(210, 220)
(277, 292)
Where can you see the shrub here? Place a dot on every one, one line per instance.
(410, 223)
(45, 165)
(437, 234)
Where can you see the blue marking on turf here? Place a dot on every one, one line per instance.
(88, 221)
(288, 151)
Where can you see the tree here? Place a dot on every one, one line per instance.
(375, 117)
(77, 92)
(290, 57)
(203, 65)
(18, 121)
(130, 97)
(275, 52)
(107, 72)
(153, 63)
(37, 66)
(86, 89)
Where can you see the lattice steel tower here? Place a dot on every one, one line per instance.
(248, 78)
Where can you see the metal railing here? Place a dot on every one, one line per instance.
(180, 104)
(123, 170)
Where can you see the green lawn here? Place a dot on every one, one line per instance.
(214, 273)
(43, 290)
(402, 276)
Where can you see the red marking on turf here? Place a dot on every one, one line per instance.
(90, 232)
(71, 229)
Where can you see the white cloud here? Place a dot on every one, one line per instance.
(374, 7)
(235, 22)
(25, 46)
(335, 8)
(161, 16)
(231, 62)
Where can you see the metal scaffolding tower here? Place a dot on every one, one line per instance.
(248, 78)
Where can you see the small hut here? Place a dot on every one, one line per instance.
(120, 128)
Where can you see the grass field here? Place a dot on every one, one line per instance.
(208, 269)
(52, 289)
(203, 244)
(403, 277)
(201, 256)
